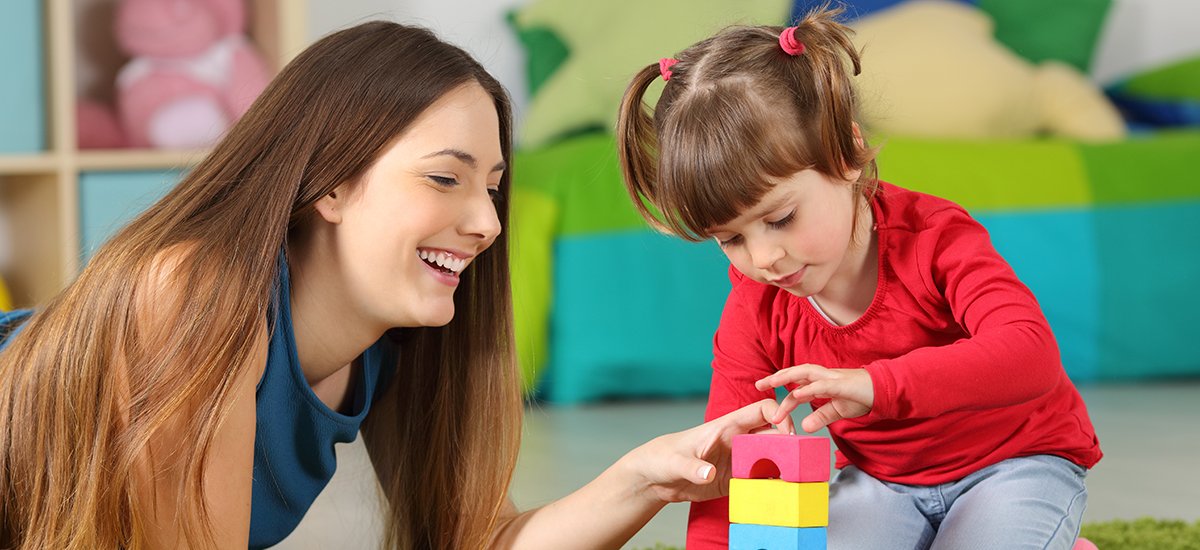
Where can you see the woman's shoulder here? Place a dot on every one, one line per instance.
(163, 296)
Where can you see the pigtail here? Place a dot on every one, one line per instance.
(637, 144)
(829, 47)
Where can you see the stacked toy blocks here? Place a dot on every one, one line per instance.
(779, 494)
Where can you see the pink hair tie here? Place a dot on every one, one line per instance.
(664, 67)
(787, 41)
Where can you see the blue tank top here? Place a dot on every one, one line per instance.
(296, 432)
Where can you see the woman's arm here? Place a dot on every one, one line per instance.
(685, 466)
(230, 461)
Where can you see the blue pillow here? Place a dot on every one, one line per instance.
(854, 8)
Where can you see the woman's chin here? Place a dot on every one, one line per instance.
(438, 318)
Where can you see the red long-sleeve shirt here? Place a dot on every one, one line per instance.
(965, 369)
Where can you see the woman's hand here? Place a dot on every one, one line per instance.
(695, 464)
(850, 393)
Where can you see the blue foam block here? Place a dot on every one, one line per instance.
(744, 536)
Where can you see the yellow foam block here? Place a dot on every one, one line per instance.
(778, 502)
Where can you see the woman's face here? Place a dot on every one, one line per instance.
(422, 213)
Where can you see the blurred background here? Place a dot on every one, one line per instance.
(1071, 129)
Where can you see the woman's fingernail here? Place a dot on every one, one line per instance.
(704, 470)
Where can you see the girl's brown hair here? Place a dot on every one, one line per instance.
(737, 112)
(82, 393)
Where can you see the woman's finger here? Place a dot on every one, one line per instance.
(698, 471)
(750, 417)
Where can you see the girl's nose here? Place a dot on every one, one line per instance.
(764, 253)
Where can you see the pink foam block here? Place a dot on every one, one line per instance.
(794, 458)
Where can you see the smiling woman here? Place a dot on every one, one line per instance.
(337, 264)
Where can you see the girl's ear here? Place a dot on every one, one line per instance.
(330, 206)
(853, 175)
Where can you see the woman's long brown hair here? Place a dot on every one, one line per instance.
(737, 112)
(82, 393)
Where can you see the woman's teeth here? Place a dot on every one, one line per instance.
(443, 260)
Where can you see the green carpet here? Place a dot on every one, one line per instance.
(1141, 534)
(1144, 534)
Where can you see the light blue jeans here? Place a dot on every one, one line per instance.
(1033, 502)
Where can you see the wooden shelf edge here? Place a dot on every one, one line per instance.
(27, 163)
(118, 159)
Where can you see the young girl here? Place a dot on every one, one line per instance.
(888, 310)
(336, 263)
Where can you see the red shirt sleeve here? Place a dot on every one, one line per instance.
(739, 359)
(1010, 357)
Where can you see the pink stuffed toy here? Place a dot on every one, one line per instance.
(192, 72)
(97, 126)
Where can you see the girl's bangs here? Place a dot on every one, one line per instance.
(714, 166)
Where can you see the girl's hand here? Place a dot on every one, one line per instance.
(850, 393)
(696, 464)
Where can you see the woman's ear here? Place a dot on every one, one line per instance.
(329, 207)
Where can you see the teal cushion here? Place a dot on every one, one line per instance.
(634, 314)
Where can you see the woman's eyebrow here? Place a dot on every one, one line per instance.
(466, 158)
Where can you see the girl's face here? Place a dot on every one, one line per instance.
(797, 237)
(422, 213)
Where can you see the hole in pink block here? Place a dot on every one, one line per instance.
(764, 469)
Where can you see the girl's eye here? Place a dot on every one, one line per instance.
(730, 241)
(444, 181)
(784, 222)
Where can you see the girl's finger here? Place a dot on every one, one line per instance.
(799, 374)
(823, 416)
(821, 389)
(789, 404)
(785, 425)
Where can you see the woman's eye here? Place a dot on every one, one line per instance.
(784, 222)
(496, 195)
(444, 181)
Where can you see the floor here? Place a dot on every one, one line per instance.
(1148, 433)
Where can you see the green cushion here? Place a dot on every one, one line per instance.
(1066, 30)
(608, 42)
(583, 175)
(989, 174)
(1156, 168)
(1172, 82)
(544, 52)
(534, 217)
